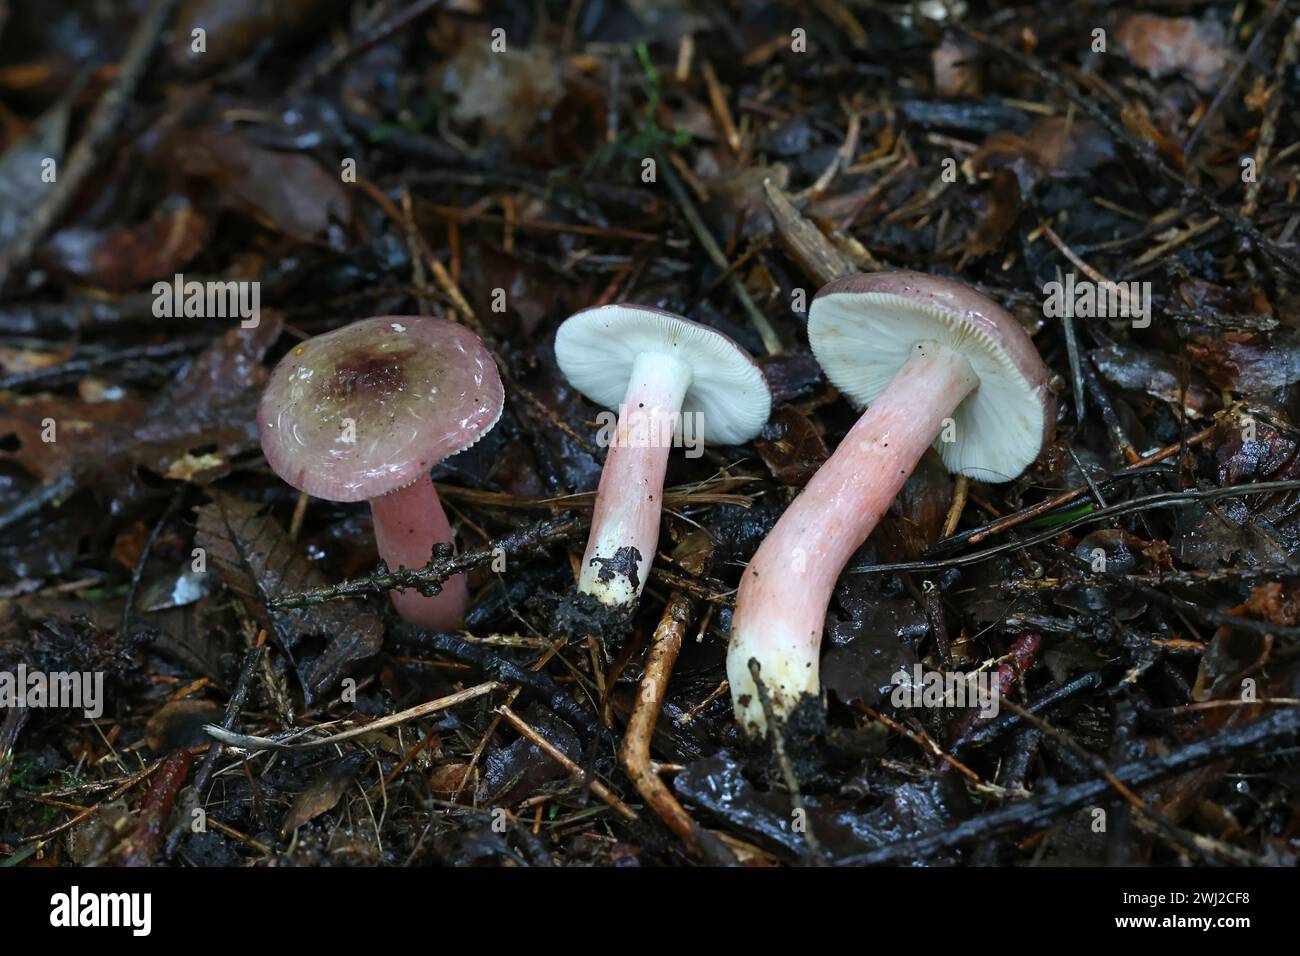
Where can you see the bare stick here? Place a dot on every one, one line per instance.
(548, 748)
(251, 742)
(665, 645)
(429, 578)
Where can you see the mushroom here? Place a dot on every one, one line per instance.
(661, 372)
(364, 413)
(937, 364)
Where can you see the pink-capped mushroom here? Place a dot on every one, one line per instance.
(365, 412)
(937, 364)
(658, 370)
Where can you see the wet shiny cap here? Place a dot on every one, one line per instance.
(862, 328)
(366, 409)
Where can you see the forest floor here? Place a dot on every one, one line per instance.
(1135, 593)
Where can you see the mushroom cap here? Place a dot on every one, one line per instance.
(596, 347)
(416, 390)
(863, 328)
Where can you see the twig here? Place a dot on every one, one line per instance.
(771, 341)
(137, 572)
(252, 660)
(1181, 236)
(665, 645)
(843, 156)
(933, 749)
(548, 748)
(1261, 735)
(720, 109)
(1229, 84)
(1118, 437)
(1120, 291)
(960, 490)
(140, 847)
(252, 742)
(140, 775)
(985, 734)
(10, 728)
(676, 497)
(369, 36)
(1268, 128)
(1072, 354)
(499, 668)
(1144, 151)
(1164, 499)
(429, 578)
(1164, 826)
(816, 255)
(1074, 494)
(39, 497)
(80, 367)
(101, 126)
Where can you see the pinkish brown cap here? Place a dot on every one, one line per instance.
(862, 329)
(366, 409)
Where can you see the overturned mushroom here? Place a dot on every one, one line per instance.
(364, 413)
(937, 364)
(659, 370)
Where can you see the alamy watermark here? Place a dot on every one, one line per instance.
(649, 428)
(1085, 299)
(926, 688)
(75, 690)
(191, 299)
(73, 909)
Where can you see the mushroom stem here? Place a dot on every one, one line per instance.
(625, 524)
(408, 523)
(786, 589)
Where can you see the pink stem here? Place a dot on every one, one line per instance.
(408, 523)
(786, 589)
(625, 523)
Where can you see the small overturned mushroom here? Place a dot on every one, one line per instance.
(657, 369)
(364, 413)
(937, 364)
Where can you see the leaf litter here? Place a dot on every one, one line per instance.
(149, 541)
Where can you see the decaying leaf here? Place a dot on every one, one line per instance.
(1250, 362)
(1155, 374)
(1196, 49)
(257, 561)
(324, 793)
(791, 446)
(287, 191)
(180, 723)
(235, 28)
(957, 70)
(125, 257)
(507, 90)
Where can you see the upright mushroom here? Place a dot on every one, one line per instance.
(365, 412)
(937, 364)
(658, 369)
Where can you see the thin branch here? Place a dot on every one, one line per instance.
(428, 579)
(1144, 151)
(1258, 737)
